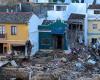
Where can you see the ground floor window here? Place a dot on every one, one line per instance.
(58, 41)
(45, 41)
(1, 48)
(19, 48)
(94, 40)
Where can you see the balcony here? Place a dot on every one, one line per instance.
(3, 36)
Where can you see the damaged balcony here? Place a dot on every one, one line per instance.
(76, 28)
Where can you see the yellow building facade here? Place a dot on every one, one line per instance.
(13, 31)
(93, 31)
(19, 38)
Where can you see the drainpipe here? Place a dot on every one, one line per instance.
(26, 51)
(86, 30)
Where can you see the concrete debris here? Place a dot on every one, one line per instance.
(90, 61)
(79, 64)
(2, 63)
(13, 63)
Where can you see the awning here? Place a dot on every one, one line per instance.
(59, 30)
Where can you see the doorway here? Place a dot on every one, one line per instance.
(20, 48)
(58, 42)
(5, 49)
(94, 40)
(1, 48)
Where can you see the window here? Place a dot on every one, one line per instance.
(94, 26)
(2, 29)
(60, 8)
(94, 40)
(96, 11)
(13, 30)
(45, 41)
(75, 1)
(58, 0)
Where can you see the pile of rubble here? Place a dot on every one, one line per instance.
(78, 64)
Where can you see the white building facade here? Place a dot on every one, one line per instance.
(34, 22)
(59, 12)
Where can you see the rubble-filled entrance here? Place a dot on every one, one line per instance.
(58, 42)
(20, 48)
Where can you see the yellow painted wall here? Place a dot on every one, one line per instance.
(90, 28)
(21, 34)
(93, 33)
(20, 37)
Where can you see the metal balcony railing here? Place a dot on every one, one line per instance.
(3, 36)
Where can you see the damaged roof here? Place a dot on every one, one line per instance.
(47, 22)
(15, 17)
(95, 6)
(76, 16)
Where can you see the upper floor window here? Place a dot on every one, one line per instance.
(58, 0)
(60, 8)
(2, 29)
(96, 11)
(75, 1)
(13, 30)
(94, 26)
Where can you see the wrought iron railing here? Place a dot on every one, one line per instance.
(3, 36)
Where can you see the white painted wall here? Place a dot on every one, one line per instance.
(88, 1)
(32, 0)
(98, 2)
(43, 1)
(67, 1)
(92, 16)
(39, 1)
(90, 11)
(33, 32)
(54, 14)
(85, 1)
(79, 8)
